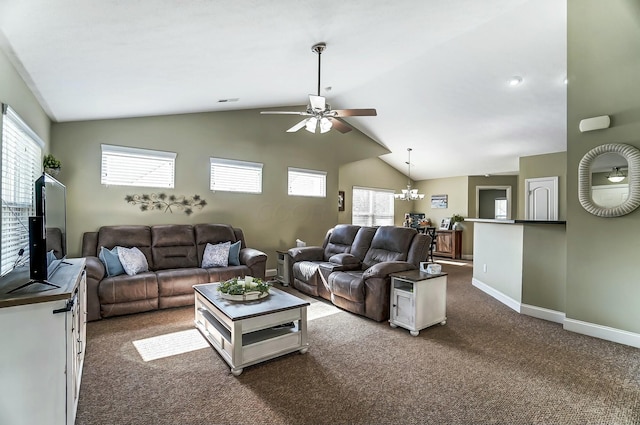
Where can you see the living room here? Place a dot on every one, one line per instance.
(601, 287)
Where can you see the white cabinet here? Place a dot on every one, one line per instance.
(42, 351)
(282, 268)
(418, 300)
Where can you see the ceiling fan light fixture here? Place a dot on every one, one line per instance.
(311, 124)
(325, 125)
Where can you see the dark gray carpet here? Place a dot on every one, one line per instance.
(487, 365)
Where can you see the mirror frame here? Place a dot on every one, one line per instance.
(632, 155)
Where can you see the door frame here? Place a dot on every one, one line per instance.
(508, 196)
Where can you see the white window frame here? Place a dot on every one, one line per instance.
(370, 218)
(230, 175)
(316, 186)
(155, 168)
(21, 165)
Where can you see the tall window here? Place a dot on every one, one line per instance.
(307, 182)
(125, 166)
(372, 207)
(235, 176)
(21, 166)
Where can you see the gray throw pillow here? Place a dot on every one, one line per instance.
(133, 260)
(216, 255)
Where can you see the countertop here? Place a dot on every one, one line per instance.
(495, 221)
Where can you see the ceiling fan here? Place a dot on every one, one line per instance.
(319, 111)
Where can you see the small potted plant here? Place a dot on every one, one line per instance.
(456, 219)
(51, 165)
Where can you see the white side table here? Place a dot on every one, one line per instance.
(282, 268)
(418, 300)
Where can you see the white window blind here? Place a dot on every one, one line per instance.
(235, 176)
(125, 166)
(307, 182)
(21, 166)
(372, 207)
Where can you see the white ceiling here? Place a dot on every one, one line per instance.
(437, 71)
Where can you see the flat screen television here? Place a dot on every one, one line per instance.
(48, 228)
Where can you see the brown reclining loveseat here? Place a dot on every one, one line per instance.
(174, 255)
(352, 267)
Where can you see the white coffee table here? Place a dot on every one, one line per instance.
(246, 333)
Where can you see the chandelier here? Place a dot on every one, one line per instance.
(408, 194)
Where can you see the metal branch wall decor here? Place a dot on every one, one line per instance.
(166, 203)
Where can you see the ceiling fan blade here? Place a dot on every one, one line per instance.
(355, 112)
(298, 126)
(284, 113)
(318, 103)
(339, 125)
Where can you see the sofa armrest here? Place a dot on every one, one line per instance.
(345, 259)
(385, 268)
(251, 256)
(95, 273)
(306, 253)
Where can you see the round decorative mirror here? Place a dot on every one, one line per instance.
(609, 180)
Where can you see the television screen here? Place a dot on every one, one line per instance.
(47, 229)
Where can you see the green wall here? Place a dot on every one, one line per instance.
(548, 165)
(372, 173)
(603, 69)
(15, 92)
(271, 220)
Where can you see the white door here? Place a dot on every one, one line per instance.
(542, 198)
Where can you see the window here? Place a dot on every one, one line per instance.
(372, 207)
(21, 166)
(307, 183)
(235, 176)
(500, 208)
(125, 166)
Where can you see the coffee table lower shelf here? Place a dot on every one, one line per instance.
(247, 341)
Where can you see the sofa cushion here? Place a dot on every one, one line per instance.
(340, 240)
(124, 288)
(128, 294)
(127, 236)
(347, 285)
(133, 260)
(175, 286)
(111, 262)
(216, 255)
(389, 243)
(173, 246)
(220, 274)
(213, 234)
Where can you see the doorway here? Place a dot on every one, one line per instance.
(493, 202)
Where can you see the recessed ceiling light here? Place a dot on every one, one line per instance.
(234, 99)
(515, 80)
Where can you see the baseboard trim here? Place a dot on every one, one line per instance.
(270, 273)
(543, 313)
(603, 332)
(504, 299)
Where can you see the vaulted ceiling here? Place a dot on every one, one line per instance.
(437, 71)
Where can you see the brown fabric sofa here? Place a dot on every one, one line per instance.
(352, 267)
(174, 254)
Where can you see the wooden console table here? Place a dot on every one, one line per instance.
(448, 244)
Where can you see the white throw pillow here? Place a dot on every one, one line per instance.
(133, 260)
(216, 255)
